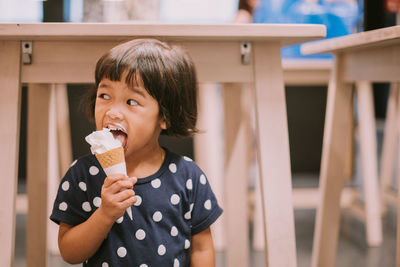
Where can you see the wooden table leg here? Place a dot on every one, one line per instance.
(273, 156)
(53, 172)
(9, 134)
(236, 177)
(398, 180)
(63, 128)
(37, 172)
(337, 123)
(208, 149)
(398, 227)
(368, 149)
(389, 145)
(60, 154)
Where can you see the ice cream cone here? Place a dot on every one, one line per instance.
(112, 161)
(109, 153)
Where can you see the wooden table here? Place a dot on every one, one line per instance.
(67, 53)
(361, 58)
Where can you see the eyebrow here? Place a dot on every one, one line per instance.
(136, 89)
(139, 90)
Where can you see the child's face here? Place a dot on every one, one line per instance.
(131, 112)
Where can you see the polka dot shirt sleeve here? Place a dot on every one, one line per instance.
(204, 209)
(71, 205)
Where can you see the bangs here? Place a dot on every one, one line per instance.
(120, 61)
(114, 68)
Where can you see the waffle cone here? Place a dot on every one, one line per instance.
(112, 157)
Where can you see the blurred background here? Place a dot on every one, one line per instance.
(305, 102)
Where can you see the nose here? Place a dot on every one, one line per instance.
(114, 113)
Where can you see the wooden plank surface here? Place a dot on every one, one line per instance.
(374, 38)
(287, 33)
(374, 64)
(74, 61)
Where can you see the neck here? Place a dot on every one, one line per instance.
(145, 164)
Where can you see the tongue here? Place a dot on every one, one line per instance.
(120, 136)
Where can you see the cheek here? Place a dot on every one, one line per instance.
(98, 117)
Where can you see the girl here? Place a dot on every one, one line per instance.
(143, 88)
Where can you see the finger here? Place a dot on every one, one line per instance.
(120, 185)
(128, 202)
(124, 195)
(112, 178)
(134, 180)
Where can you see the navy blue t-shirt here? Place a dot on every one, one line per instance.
(172, 205)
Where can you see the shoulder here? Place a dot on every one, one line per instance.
(182, 163)
(185, 169)
(84, 166)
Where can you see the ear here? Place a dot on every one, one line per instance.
(163, 123)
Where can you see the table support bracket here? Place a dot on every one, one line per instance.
(245, 52)
(26, 52)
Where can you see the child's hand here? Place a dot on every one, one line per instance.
(117, 195)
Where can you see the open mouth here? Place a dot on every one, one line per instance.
(119, 133)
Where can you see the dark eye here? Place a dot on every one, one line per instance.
(132, 102)
(104, 96)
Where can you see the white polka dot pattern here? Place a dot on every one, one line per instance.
(93, 170)
(187, 244)
(187, 158)
(203, 179)
(86, 206)
(180, 194)
(138, 200)
(161, 250)
(189, 184)
(207, 204)
(120, 219)
(174, 231)
(156, 183)
(172, 167)
(175, 199)
(97, 201)
(65, 186)
(82, 186)
(121, 251)
(140, 234)
(188, 215)
(157, 216)
(63, 206)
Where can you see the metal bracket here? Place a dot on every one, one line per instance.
(245, 52)
(26, 52)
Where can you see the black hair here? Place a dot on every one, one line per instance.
(168, 74)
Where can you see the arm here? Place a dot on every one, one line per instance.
(202, 251)
(78, 243)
